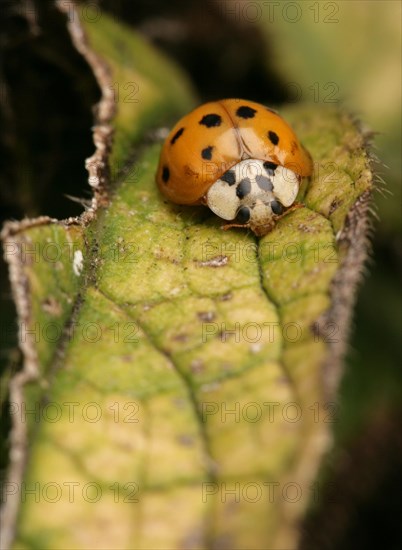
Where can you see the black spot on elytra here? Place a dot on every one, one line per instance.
(277, 208)
(245, 112)
(207, 152)
(243, 214)
(211, 120)
(165, 174)
(243, 188)
(264, 183)
(270, 167)
(273, 137)
(176, 136)
(229, 177)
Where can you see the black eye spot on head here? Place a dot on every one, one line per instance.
(270, 167)
(176, 136)
(274, 138)
(207, 152)
(245, 112)
(165, 174)
(229, 177)
(211, 120)
(243, 215)
(277, 208)
(243, 188)
(264, 183)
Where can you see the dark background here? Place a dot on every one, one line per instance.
(47, 95)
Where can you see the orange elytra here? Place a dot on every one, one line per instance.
(237, 156)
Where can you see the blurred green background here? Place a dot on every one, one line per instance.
(344, 52)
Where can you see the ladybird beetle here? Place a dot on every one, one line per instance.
(238, 157)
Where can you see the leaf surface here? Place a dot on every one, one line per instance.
(183, 403)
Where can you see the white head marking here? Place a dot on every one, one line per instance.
(254, 191)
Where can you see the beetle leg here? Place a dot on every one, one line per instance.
(294, 206)
(230, 225)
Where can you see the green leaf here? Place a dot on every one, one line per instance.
(185, 403)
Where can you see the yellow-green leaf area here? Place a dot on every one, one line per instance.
(52, 259)
(298, 257)
(303, 362)
(125, 420)
(299, 317)
(341, 163)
